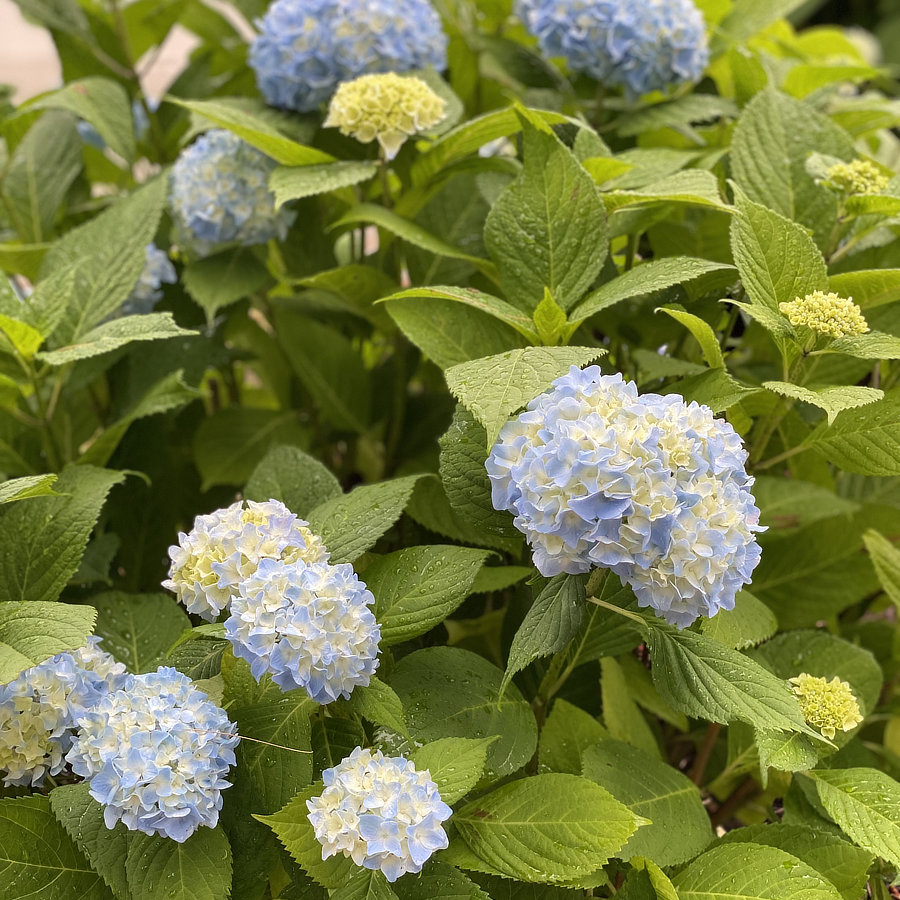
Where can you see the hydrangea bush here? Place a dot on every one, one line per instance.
(451, 450)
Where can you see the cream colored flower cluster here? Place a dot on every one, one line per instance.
(388, 108)
(829, 314)
(827, 705)
(857, 177)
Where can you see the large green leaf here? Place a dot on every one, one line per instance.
(886, 559)
(198, 869)
(352, 523)
(138, 629)
(417, 588)
(495, 387)
(38, 859)
(552, 621)
(547, 229)
(33, 632)
(456, 764)
(449, 692)
(106, 849)
(42, 541)
(679, 826)
(364, 884)
(299, 480)
(749, 623)
(566, 734)
(866, 804)
(753, 872)
(551, 827)
(222, 279)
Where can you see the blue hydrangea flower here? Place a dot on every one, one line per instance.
(307, 47)
(220, 194)
(156, 753)
(641, 47)
(158, 270)
(310, 626)
(648, 486)
(40, 708)
(380, 812)
(224, 548)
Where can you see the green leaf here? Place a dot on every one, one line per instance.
(352, 523)
(479, 300)
(497, 386)
(106, 257)
(417, 588)
(37, 857)
(620, 712)
(547, 229)
(450, 333)
(866, 805)
(777, 260)
(441, 882)
(65, 15)
(199, 651)
(655, 791)
(714, 388)
(750, 622)
(705, 679)
(294, 830)
(255, 131)
(43, 541)
(790, 503)
(498, 578)
(702, 331)
(567, 733)
(33, 632)
(869, 288)
(746, 18)
(102, 103)
(769, 151)
(138, 629)
(114, 334)
(379, 704)
(553, 620)
(228, 444)
(220, 280)
(38, 175)
(456, 764)
(372, 214)
(844, 865)
(21, 336)
(467, 485)
(29, 486)
(886, 559)
(448, 692)
(289, 474)
(865, 441)
(833, 398)
(550, 320)
(694, 187)
(296, 182)
(678, 114)
(330, 368)
(752, 872)
(364, 884)
(873, 345)
(106, 849)
(198, 869)
(546, 828)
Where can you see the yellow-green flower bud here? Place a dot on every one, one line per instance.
(857, 177)
(827, 705)
(829, 314)
(387, 108)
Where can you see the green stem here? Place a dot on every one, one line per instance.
(780, 457)
(618, 609)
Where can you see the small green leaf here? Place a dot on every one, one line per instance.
(456, 764)
(497, 386)
(550, 320)
(702, 331)
(546, 828)
(567, 733)
(364, 884)
(222, 279)
(379, 704)
(21, 336)
(296, 182)
(750, 622)
(620, 712)
(352, 523)
(833, 398)
(29, 486)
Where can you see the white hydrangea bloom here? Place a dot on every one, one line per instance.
(224, 548)
(380, 812)
(648, 486)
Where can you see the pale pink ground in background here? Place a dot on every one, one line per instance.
(28, 60)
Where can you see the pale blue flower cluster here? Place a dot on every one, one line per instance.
(648, 486)
(220, 194)
(156, 753)
(40, 709)
(158, 270)
(380, 812)
(225, 547)
(309, 625)
(641, 47)
(306, 48)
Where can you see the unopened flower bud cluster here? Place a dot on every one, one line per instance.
(826, 313)
(829, 706)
